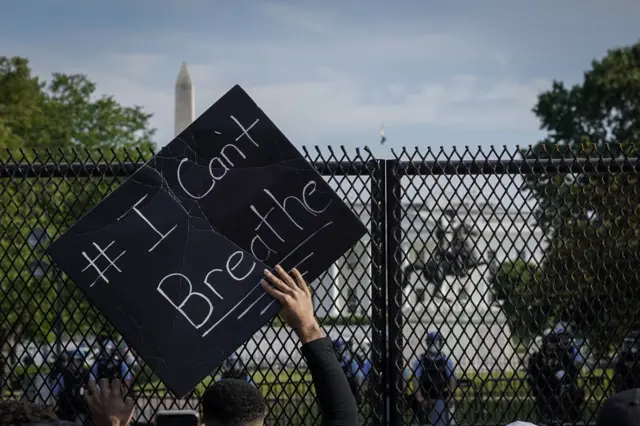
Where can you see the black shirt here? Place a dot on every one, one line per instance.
(337, 403)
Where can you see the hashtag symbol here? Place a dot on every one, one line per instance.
(102, 252)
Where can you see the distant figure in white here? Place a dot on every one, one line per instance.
(185, 102)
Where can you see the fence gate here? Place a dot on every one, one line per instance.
(484, 251)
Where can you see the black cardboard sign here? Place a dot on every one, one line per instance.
(174, 256)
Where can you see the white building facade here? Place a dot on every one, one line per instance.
(496, 235)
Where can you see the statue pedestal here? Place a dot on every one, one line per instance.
(476, 337)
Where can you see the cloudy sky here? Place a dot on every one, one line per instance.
(435, 73)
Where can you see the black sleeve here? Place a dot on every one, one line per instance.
(337, 403)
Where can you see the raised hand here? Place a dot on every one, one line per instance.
(297, 307)
(106, 404)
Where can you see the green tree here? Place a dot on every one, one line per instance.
(592, 218)
(61, 120)
(516, 286)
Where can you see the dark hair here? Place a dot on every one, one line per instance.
(14, 412)
(232, 402)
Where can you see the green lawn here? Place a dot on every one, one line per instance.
(271, 384)
(509, 384)
(488, 398)
(289, 383)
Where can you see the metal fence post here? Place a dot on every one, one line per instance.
(379, 295)
(393, 259)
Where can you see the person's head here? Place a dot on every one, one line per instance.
(109, 348)
(565, 340)
(111, 353)
(62, 361)
(435, 343)
(555, 346)
(21, 413)
(76, 361)
(622, 409)
(232, 402)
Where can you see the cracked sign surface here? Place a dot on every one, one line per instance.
(174, 256)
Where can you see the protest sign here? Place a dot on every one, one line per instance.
(173, 257)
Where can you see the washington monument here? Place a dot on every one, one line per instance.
(185, 102)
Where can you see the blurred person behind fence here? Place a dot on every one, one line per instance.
(236, 402)
(361, 365)
(553, 374)
(28, 380)
(69, 387)
(348, 365)
(626, 365)
(110, 365)
(433, 381)
(129, 359)
(59, 365)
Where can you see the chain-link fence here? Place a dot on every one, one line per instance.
(492, 286)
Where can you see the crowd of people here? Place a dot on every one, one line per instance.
(553, 374)
(341, 372)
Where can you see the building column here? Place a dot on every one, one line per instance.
(408, 293)
(365, 290)
(326, 294)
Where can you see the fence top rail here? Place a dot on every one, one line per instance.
(518, 166)
(127, 168)
(354, 168)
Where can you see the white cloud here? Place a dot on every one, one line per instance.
(327, 103)
(336, 105)
(331, 81)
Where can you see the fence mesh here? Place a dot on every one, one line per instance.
(524, 266)
(493, 286)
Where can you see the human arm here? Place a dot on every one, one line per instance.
(576, 356)
(619, 371)
(537, 380)
(416, 372)
(337, 403)
(453, 384)
(451, 376)
(58, 385)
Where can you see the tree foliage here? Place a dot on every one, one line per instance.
(516, 286)
(590, 271)
(60, 120)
